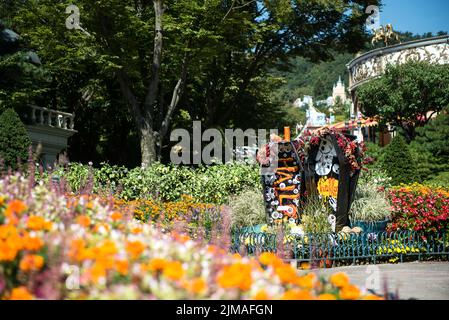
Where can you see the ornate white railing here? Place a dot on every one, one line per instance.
(52, 118)
(373, 64)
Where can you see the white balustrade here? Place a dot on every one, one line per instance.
(52, 118)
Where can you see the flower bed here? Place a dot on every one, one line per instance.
(419, 208)
(52, 247)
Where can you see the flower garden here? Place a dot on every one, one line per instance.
(141, 159)
(69, 235)
(54, 246)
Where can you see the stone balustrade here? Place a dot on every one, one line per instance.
(52, 118)
(373, 64)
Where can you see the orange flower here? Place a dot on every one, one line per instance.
(134, 248)
(261, 295)
(83, 221)
(237, 275)
(99, 226)
(307, 281)
(38, 223)
(33, 243)
(96, 272)
(116, 216)
(20, 293)
(339, 279)
(372, 297)
(270, 259)
(197, 285)
(349, 292)
(136, 230)
(181, 237)
(16, 206)
(155, 264)
(173, 270)
(7, 253)
(31, 262)
(297, 294)
(122, 267)
(237, 256)
(286, 273)
(305, 266)
(327, 296)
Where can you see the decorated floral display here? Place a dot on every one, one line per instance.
(419, 208)
(54, 247)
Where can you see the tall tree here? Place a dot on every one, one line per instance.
(210, 58)
(407, 96)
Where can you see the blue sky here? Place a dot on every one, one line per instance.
(416, 16)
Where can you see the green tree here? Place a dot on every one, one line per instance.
(407, 96)
(22, 79)
(14, 140)
(209, 58)
(430, 148)
(397, 161)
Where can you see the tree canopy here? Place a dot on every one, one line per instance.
(407, 96)
(154, 65)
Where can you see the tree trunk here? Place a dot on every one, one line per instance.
(147, 146)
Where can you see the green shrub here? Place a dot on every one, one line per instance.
(213, 184)
(14, 140)
(440, 180)
(248, 209)
(374, 175)
(315, 216)
(397, 162)
(374, 151)
(370, 203)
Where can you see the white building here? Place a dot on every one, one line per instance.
(315, 118)
(304, 103)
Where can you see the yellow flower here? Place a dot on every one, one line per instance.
(237, 276)
(307, 281)
(20, 293)
(197, 285)
(261, 295)
(173, 270)
(327, 296)
(339, 279)
(270, 259)
(349, 292)
(296, 294)
(135, 249)
(372, 297)
(286, 273)
(31, 262)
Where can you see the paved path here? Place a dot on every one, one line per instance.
(418, 280)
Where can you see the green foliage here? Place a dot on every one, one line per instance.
(14, 140)
(213, 184)
(315, 216)
(370, 203)
(406, 95)
(375, 175)
(397, 162)
(248, 209)
(440, 180)
(432, 139)
(229, 48)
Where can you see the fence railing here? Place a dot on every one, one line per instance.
(329, 250)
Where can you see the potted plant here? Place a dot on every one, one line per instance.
(370, 210)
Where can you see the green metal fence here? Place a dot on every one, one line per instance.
(329, 250)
